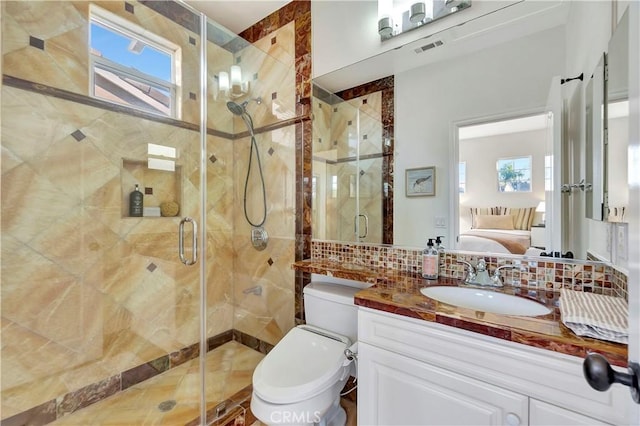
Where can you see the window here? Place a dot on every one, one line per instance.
(514, 174)
(129, 68)
(462, 177)
(334, 186)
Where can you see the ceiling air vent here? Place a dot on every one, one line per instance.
(429, 46)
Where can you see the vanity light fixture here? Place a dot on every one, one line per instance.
(385, 26)
(231, 84)
(398, 16)
(417, 12)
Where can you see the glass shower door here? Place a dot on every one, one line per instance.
(95, 302)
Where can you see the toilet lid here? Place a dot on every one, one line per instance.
(301, 365)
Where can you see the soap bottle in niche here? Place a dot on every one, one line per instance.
(430, 261)
(136, 202)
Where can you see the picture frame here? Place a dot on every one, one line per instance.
(420, 182)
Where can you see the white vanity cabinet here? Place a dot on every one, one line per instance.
(414, 372)
(395, 389)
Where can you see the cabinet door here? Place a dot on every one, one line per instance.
(397, 390)
(543, 414)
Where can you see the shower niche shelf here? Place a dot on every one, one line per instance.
(158, 186)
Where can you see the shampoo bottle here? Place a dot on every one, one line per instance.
(430, 261)
(136, 202)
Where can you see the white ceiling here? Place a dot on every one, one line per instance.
(237, 15)
(523, 124)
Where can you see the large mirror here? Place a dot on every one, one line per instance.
(595, 146)
(479, 74)
(617, 124)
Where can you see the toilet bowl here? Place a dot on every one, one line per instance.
(300, 380)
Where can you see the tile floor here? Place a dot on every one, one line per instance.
(172, 398)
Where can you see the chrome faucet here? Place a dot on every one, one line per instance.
(482, 274)
(479, 275)
(496, 277)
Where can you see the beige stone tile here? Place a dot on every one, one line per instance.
(27, 127)
(14, 36)
(284, 47)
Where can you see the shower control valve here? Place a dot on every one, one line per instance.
(259, 238)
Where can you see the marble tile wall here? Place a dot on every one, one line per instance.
(270, 315)
(342, 131)
(273, 55)
(106, 292)
(550, 274)
(88, 293)
(262, 34)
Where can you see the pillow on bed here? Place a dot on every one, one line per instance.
(494, 222)
(522, 217)
(476, 211)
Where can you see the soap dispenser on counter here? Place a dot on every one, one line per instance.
(430, 261)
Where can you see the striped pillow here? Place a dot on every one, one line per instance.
(522, 217)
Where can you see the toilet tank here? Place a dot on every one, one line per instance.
(330, 306)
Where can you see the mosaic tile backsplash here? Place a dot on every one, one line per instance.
(551, 274)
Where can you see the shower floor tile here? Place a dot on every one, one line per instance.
(172, 398)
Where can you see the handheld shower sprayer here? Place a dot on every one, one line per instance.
(259, 236)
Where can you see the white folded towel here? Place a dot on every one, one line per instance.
(595, 315)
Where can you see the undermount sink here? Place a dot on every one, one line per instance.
(486, 301)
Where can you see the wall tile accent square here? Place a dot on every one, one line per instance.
(78, 135)
(36, 42)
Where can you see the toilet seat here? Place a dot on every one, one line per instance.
(307, 361)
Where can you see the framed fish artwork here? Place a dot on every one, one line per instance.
(421, 182)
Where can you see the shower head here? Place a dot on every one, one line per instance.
(240, 109)
(236, 109)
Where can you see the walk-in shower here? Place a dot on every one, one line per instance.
(259, 237)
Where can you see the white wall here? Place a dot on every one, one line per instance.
(514, 76)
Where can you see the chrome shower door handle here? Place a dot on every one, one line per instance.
(366, 225)
(194, 249)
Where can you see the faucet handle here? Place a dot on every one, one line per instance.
(471, 271)
(496, 273)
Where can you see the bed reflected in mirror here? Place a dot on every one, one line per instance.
(502, 181)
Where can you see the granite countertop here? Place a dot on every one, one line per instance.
(398, 292)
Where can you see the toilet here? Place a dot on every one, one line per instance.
(300, 380)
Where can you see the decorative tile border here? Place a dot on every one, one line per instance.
(96, 392)
(537, 273)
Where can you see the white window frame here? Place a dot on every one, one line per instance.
(120, 25)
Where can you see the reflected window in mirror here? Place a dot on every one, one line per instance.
(462, 176)
(514, 174)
